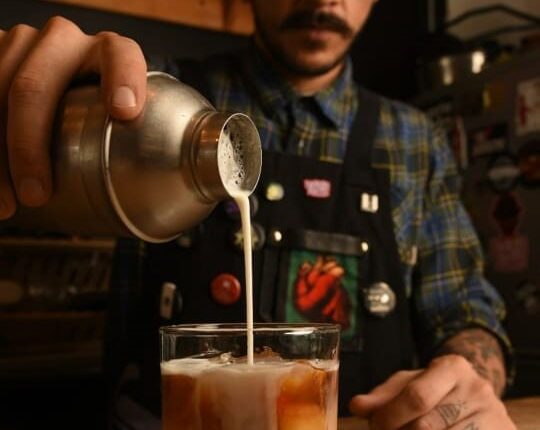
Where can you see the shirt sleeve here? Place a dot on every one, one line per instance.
(451, 292)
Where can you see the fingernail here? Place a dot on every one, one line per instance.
(31, 192)
(124, 97)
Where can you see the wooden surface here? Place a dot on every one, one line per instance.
(524, 412)
(352, 424)
(222, 15)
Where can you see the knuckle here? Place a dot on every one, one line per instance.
(110, 40)
(25, 87)
(483, 388)
(422, 424)
(416, 397)
(457, 361)
(123, 52)
(62, 28)
(59, 23)
(401, 374)
(129, 42)
(20, 31)
(107, 36)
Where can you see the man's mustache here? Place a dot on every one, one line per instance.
(318, 20)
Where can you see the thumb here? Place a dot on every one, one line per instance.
(363, 405)
(122, 67)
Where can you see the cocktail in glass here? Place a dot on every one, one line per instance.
(207, 383)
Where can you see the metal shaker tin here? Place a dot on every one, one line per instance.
(152, 177)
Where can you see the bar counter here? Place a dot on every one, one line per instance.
(525, 413)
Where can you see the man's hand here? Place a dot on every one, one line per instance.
(36, 67)
(459, 390)
(448, 394)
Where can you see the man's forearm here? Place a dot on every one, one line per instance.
(483, 351)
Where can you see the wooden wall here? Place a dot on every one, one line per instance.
(156, 37)
(232, 16)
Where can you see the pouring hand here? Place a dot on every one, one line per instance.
(36, 67)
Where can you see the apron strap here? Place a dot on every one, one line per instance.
(359, 151)
(387, 343)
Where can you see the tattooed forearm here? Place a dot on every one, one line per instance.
(471, 426)
(449, 412)
(483, 351)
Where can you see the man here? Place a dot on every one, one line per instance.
(342, 166)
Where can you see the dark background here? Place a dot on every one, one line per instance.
(384, 54)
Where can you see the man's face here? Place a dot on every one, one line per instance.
(309, 37)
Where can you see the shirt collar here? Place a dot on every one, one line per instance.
(275, 93)
(335, 101)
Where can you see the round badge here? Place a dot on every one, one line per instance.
(503, 173)
(258, 237)
(225, 289)
(274, 192)
(379, 299)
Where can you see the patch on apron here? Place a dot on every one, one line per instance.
(323, 288)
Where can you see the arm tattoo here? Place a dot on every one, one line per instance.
(449, 412)
(471, 426)
(483, 351)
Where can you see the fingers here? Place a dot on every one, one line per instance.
(451, 410)
(448, 395)
(122, 66)
(493, 418)
(14, 45)
(480, 423)
(34, 94)
(460, 406)
(422, 394)
(39, 69)
(363, 405)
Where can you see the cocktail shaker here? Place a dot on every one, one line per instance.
(152, 177)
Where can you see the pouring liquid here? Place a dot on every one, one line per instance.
(242, 200)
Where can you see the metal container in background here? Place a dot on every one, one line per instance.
(449, 69)
(152, 177)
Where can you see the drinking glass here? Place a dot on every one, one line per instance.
(207, 382)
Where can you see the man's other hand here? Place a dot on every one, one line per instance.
(448, 394)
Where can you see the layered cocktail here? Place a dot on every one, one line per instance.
(208, 384)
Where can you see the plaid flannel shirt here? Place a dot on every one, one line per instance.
(449, 291)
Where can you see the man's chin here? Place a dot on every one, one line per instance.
(311, 65)
(313, 56)
(304, 56)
